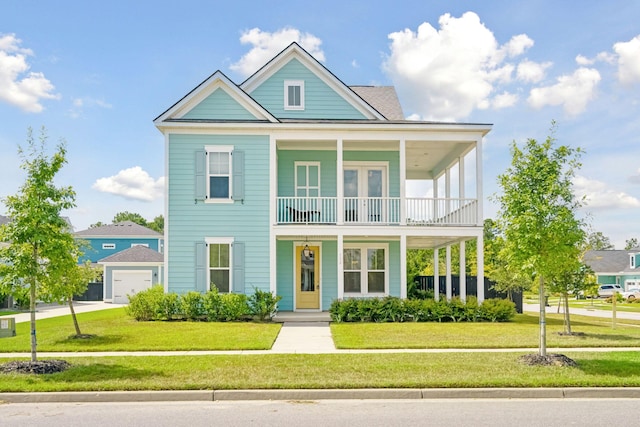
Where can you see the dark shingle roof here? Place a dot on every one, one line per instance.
(120, 229)
(136, 253)
(382, 98)
(610, 261)
(4, 219)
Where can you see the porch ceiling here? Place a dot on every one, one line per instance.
(431, 242)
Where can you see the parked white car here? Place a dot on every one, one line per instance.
(605, 291)
(631, 294)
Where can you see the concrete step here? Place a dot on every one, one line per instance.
(297, 316)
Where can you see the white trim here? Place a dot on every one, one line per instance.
(307, 186)
(273, 191)
(219, 149)
(146, 245)
(166, 213)
(220, 241)
(287, 101)
(364, 268)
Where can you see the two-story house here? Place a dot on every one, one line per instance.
(621, 267)
(295, 183)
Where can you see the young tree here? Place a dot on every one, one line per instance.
(597, 241)
(631, 243)
(570, 281)
(537, 217)
(41, 245)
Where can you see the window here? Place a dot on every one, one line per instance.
(219, 173)
(307, 179)
(108, 246)
(220, 266)
(294, 95)
(633, 261)
(365, 269)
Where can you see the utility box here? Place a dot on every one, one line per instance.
(7, 327)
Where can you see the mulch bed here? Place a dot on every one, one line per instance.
(548, 360)
(37, 367)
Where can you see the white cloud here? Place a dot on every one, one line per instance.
(504, 100)
(635, 178)
(132, 183)
(628, 60)
(573, 91)
(601, 57)
(444, 74)
(19, 86)
(80, 104)
(532, 72)
(599, 195)
(266, 45)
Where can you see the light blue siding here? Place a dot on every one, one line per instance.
(95, 253)
(284, 274)
(191, 220)
(320, 101)
(219, 106)
(329, 258)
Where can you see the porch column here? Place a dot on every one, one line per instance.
(463, 271)
(436, 275)
(273, 194)
(403, 266)
(479, 192)
(340, 266)
(339, 182)
(448, 279)
(447, 190)
(403, 179)
(480, 258)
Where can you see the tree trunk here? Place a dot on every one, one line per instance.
(73, 316)
(567, 319)
(32, 308)
(543, 322)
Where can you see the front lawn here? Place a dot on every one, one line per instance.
(314, 371)
(115, 331)
(521, 333)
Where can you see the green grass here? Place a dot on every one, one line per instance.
(296, 371)
(115, 331)
(4, 312)
(587, 304)
(521, 333)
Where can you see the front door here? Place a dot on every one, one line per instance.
(307, 277)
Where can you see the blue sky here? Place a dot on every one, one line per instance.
(97, 74)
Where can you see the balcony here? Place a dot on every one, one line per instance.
(377, 211)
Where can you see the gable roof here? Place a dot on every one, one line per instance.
(136, 253)
(120, 229)
(217, 81)
(4, 219)
(382, 98)
(295, 51)
(609, 261)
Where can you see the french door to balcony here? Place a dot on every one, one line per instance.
(364, 193)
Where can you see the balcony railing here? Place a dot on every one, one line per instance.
(377, 210)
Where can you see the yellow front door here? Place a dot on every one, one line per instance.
(307, 277)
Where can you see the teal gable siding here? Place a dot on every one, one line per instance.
(320, 100)
(286, 170)
(394, 269)
(606, 279)
(329, 259)
(219, 105)
(190, 221)
(95, 252)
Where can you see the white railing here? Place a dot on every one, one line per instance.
(376, 210)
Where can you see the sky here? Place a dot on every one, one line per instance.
(96, 74)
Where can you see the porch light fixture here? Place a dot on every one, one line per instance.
(306, 251)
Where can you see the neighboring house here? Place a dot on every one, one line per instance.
(107, 240)
(615, 267)
(295, 183)
(131, 255)
(131, 271)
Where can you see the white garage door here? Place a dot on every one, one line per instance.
(129, 283)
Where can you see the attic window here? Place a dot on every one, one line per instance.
(294, 95)
(632, 259)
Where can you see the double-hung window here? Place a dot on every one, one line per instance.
(219, 263)
(365, 269)
(219, 173)
(294, 95)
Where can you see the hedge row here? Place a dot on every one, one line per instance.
(392, 309)
(154, 304)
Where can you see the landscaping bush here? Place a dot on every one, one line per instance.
(392, 309)
(233, 307)
(144, 306)
(193, 306)
(264, 305)
(169, 307)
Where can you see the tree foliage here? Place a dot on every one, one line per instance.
(631, 243)
(41, 247)
(596, 241)
(130, 216)
(537, 217)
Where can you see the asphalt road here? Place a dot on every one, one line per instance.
(351, 413)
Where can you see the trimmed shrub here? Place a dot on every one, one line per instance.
(264, 305)
(497, 310)
(193, 306)
(233, 307)
(144, 305)
(169, 307)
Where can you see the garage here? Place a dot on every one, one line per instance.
(129, 283)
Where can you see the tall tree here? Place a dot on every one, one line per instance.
(130, 216)
(157, 224)
(537, 216)
(41, 245)
(597, 241)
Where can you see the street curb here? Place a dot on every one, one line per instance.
(324, 394)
